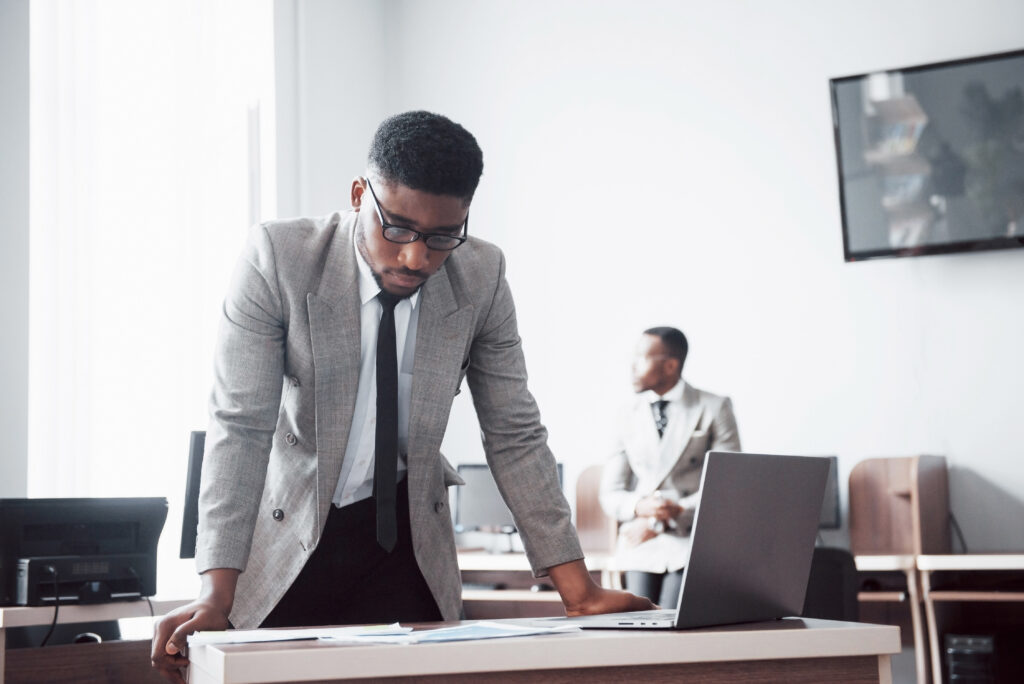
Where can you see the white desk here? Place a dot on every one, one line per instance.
(790, 650)
(970, 563)
(907, 564)
(32, 616)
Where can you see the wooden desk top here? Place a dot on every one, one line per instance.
(777, 640)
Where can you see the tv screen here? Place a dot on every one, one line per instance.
(931, 157)
(478, 503)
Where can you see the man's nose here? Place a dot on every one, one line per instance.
(414, 255)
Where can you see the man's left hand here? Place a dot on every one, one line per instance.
(610, 601)
(582, 596)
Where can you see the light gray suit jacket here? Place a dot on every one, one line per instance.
(643, 463)
(286, 370)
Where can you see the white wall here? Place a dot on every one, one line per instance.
(14, 246)
(672, 163)
(331, 61)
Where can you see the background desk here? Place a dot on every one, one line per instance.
(30, 616)
(908, 596)
(513, 572)
(947, 605)
(789, 650)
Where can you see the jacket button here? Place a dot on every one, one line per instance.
(278, 514)
(685, 492)
(290, 438)
(438, 506)
(294, 381)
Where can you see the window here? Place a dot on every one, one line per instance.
(151, 155)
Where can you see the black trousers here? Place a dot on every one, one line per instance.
(662, 588)
(350, 579)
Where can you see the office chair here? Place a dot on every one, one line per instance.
(832, 585)
(597, 532)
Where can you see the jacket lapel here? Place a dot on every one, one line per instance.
(651, 473)
(642, 442)
(334, 328)
(678, 434)
(441, 337)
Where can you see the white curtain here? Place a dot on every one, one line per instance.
(147, 122)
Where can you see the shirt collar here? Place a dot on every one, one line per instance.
(674, 394)
(368, 287)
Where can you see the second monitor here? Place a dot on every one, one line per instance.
(478, 503)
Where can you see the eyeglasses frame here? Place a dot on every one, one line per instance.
(385, 225)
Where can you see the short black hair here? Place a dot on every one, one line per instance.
(674, 341)
(429, 152)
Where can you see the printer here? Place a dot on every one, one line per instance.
(78, 550)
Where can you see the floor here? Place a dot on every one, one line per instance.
(903, 669)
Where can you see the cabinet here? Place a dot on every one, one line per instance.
(976, 594)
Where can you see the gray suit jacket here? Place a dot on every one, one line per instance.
(643, 463)
(286, 370)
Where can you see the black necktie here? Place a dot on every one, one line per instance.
(385, 461)
(660, 417)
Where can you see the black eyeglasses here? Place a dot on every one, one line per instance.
(403, 235)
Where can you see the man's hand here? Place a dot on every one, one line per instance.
(657, 507)
(582, 596)
(170, 639)
(636, 531)
(610, 601)
(207, 613)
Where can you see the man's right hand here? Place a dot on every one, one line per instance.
(657, 507)
(636, 531)
(207, 613)
(170, 638)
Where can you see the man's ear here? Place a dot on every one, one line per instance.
(675, 367)
(358, 188)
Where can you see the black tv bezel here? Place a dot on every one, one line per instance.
(964, 246)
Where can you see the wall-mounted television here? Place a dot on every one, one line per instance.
(931, 157)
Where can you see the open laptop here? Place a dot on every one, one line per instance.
(751, 545)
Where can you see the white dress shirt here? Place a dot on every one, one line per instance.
(674, 397)
(673, 411)
(356, 480)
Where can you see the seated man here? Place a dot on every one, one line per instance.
(651, 483)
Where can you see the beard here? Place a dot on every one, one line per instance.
(365, 252)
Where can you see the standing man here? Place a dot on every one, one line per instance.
(651, 485)
(343, 341)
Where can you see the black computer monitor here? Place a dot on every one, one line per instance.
(190, 516)
(478, 503)
(79, 549)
